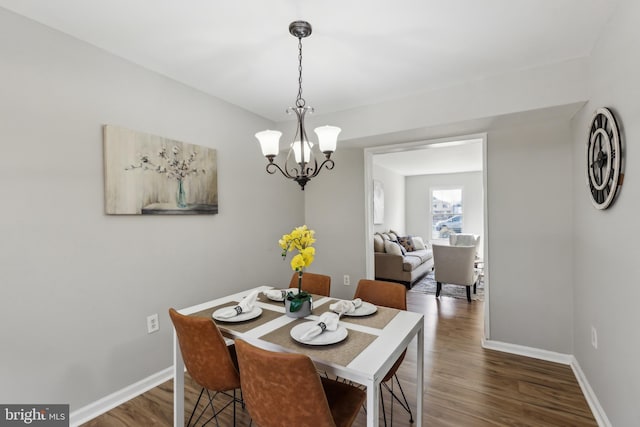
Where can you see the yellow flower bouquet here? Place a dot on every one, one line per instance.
(300, 239)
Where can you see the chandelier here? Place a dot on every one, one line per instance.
(301, 163)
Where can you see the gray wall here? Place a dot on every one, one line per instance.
(530, 239)
(606, 291)
(419, 206)
(77, 285)
(334, 208)
(394, 200)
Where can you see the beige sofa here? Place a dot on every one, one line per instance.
(403, 259)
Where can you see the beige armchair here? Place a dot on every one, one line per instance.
(454, 265)
(465, 240)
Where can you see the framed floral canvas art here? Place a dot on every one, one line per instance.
(151, 175)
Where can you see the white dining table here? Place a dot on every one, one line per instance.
(368, 367)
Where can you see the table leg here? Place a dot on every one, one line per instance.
(178, 384)
(373, 404)
(420, 376)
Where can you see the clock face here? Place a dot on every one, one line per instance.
(603, 158)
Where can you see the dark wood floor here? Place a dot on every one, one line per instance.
(465, 385)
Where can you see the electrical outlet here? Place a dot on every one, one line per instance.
(152, 323)
(347, 280)
(594, 337)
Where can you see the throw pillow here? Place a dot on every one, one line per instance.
(378, 243)
(393, 236)
(407, 243)
(392, 248)
(402, 249)
(418, 243)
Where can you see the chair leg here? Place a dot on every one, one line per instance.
(195, 407)
(474, 288)
(468, 293)
(404, 403)
(438, 288)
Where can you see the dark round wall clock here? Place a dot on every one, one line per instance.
(604, 159)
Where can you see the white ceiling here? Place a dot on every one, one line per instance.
(361, 51)
(448, 157)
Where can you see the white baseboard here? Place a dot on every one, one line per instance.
(522, 350)
(592, 400)
(99, 407)
(565, 359)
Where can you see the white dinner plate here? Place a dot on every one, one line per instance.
(257, 311)
(364, 310)
(325, 338)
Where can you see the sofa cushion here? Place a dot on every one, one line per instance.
(392, 236)
(378, 243)
(422, 254)
(407, 243)
(410, 263)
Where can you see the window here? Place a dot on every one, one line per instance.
(446, 212)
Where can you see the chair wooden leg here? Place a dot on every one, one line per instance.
(438, 288)
(468, 293)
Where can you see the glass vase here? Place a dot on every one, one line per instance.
(181, 197)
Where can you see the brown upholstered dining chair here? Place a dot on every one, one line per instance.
(318, 284)
(208, 359)
(284, 389)
(393, 295)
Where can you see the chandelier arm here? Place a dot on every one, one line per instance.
(327, 164)
(272, 167)
(309, 171)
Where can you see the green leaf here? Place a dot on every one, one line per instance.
(295, 305)
(297, 300)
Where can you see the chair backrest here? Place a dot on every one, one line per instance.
(282, 389)
(318, 284)
(465, 240)
(386, 294)
(454, 264)
(205, 352)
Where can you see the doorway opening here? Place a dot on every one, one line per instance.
(431, 189)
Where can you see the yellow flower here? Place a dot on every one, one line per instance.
(300, 239)
(307, 255)
(297, 262)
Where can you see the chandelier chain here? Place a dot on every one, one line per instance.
(300, 102)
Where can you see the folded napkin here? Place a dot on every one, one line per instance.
(276, 294)
(327, 322)
(279, 294)
(245, 306)
(344, 306)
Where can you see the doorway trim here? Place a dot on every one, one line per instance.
(368, 211)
